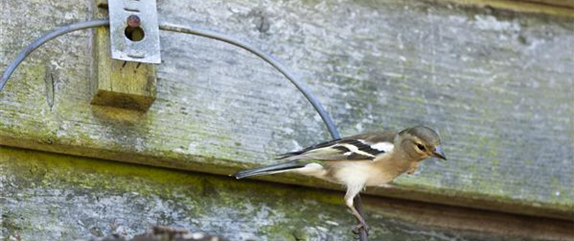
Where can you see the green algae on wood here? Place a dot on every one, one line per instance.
(495, 84)
(57, 197)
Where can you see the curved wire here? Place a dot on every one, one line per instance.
(204, 33)
(47, 37)
(269, 59)
(363, 236)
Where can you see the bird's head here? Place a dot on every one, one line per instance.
(420, 142)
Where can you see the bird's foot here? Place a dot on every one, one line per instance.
(358, 227)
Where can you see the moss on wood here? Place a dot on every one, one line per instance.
(57, 197)
(495, 84)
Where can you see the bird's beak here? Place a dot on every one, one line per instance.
(438, 153)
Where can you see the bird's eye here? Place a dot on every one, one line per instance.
(421, 147)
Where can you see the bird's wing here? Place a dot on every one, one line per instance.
(359, 147)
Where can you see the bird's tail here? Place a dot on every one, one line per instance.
(271, 169)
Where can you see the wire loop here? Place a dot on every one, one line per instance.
(301, 86)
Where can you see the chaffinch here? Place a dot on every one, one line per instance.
(370, 159)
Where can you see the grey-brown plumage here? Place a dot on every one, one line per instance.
(369, 159)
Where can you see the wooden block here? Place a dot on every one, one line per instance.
(116, 83)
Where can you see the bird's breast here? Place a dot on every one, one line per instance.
(357, 173)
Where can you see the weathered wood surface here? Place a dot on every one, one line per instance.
(561, 3)
(553, 7)
(119, 83)
(496, 85)
(55, 197)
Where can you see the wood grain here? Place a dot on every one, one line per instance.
(47, 196)
(120, 84)
(496, 85)
(557, 3)
(552, 7)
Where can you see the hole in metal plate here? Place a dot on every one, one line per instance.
(135, 34)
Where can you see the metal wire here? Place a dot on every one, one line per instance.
(42, 40)
(204, 33)
(288, 74)
(103, 22)
(269, 59)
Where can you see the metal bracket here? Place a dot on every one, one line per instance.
(127, 82)
(134, 30)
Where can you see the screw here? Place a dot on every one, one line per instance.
(134, 21)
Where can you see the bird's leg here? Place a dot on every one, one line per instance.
(362, 222)
(349, 196)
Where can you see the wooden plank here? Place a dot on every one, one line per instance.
(557, 3)
(57, 197)
(552, 7)
(498, 87)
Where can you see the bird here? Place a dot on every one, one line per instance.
(359, 161)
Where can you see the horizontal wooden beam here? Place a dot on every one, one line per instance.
(65, 197)
(557, 3)
(551, 7)
(496, 87)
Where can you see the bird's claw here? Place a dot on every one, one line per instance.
(358, 227)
